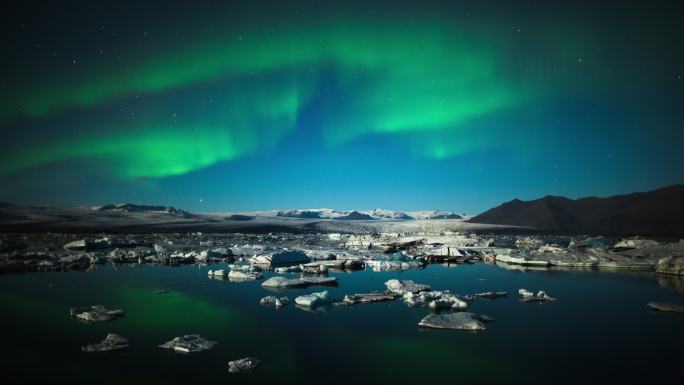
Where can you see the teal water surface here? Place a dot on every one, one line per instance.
(598, 330)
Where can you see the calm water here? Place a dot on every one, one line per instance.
(598, 330)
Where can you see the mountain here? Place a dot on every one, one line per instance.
(354, 216)
(427, 215)
(388, 214)
(240, 217)
(657, 212)
(108, 218)
(379, 214)
(145, 219)
(311, 214)
(133, 208)
(137, 218)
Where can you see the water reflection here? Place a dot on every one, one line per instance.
(593, 322)
(671, 282)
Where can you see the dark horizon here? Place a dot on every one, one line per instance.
(674, 186)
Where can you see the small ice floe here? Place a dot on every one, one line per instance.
(379, 265)
(286, 283)
(528, 296)
(240, 276)
(491, 294)
(188, 343)
(272, 301)
(322, 266)
(281, 258)
(243, 364)
(95, 313)
(111, 342)
(457, 321)
(288, 269)
(448, 301)
(666, 307)
(373, 297)
(403, 287)
(218, 274)
(524, 261)
(436, 300)
(315, 299)
(673, 265)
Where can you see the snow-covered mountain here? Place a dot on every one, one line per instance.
(133, 218)
(377, 214)
(312, 213)
(388, 214)
(423, 215)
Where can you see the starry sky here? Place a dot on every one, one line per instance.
(230, 106)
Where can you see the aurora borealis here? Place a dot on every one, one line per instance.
(406, 105)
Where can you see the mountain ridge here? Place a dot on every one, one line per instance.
(655, 212)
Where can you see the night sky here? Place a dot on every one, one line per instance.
(222, 106)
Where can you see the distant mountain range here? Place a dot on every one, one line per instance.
(657, 212)
(133, 208)
(136, 218)
(377, 214)
(654, 213)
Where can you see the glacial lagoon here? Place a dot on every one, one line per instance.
(598, 330)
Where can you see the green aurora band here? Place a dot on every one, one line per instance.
(420, 82)
(251, 120)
